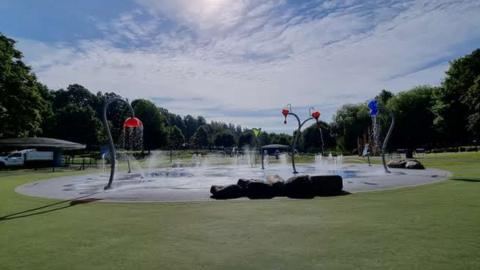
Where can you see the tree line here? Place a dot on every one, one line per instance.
(426, 116)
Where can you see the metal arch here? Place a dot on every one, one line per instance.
(387, 137)
(295, 139)
(111, 145)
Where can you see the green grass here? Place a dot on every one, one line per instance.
(434, 226)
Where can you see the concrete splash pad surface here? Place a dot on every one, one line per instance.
(193, 183)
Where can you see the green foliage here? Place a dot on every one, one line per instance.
(22, 107)
(191, 125)
(246, 138)
(175, 137)
(414, 118)
(200, 138)
(78, 124)
(350, 123)
(74, 110)
(312, 141)
(457, 101)
(472, 97)
(154, 131)
(225, 139)
(284, 139)
(384, 96)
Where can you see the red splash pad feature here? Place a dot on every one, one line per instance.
(316, 115)
(132, 122)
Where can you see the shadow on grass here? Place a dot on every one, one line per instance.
(306, 196)
(49, 208)
(342, 193)
(472, 180)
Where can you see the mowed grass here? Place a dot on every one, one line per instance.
(434, 226)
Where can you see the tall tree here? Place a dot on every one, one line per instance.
(414, 118)
(74, 109)
(22, 107)
(351, 122)
(246, 138)
(225, 139)
(78, 124)
(312, 139)
(175, 137)
(200, 138)
(154, 131)
(473, 97)
(455, 107)
(191, 125)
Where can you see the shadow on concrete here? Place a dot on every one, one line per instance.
(472, 180)
(49, 208)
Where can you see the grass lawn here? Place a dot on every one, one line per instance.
(434, 226)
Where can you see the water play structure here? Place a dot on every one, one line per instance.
(130, 123)
(288, 111)
(159, 178)
(374, 110)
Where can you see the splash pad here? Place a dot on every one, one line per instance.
(191, 180)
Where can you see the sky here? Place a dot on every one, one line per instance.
(242, 61)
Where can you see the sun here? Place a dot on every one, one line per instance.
(211, 6)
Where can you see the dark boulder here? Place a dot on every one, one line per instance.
(227, 192)
(327, 185)
(397, 164)
(260, 190)
(279, 188)
(274, 179)
(243, 183)
(414, 164)
(299, 187)
(277, 183)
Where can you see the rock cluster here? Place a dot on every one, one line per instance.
(302, 186)
(406, 164)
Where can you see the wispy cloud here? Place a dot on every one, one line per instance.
(238, 60)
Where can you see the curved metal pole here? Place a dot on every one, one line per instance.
(110, 139)
(321, 138)
(263, 165)
(294, 143)
(385, 141)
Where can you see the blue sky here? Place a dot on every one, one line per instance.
(241, 61)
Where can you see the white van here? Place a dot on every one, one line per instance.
(20, 158)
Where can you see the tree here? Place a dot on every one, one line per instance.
(351, 122)
(154, 131)
(76, 95)
(246, 138)
(280, 139)
(175, 137)
(200, 137)
(77, 124)
(455, 108)
(191, 125)
(384, 96)
(413, 117)
(312, 141)
(225, 139)
(22, 107)
(74, 109)
(473, 97)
